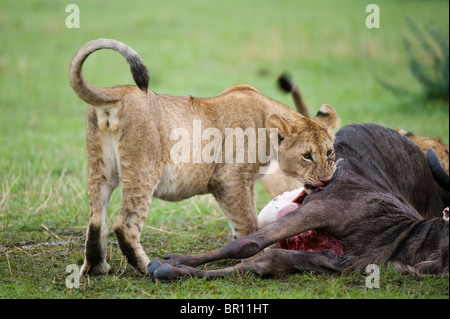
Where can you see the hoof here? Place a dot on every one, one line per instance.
(152, 266)
(164, 271)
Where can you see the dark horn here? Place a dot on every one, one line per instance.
(439, 173)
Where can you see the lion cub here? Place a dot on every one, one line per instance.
(133, 137)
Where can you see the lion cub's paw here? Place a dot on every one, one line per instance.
(99, 269)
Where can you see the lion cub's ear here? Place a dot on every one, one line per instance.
(283, 127)
(328, 117)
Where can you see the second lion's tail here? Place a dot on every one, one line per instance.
(288, 85)
(101, 96)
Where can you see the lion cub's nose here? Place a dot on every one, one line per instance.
(325, 179)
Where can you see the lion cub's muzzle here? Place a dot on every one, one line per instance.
(321, 181)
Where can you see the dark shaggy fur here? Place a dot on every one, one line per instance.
(382, 203)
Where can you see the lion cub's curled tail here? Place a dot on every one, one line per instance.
(101, 96)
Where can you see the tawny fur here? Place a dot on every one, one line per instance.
(424, 142)
(386, 204)
(128, 133)
(278, 182)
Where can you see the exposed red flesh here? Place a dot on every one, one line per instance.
(314, 241)
(311, 240)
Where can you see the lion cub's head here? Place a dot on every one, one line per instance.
(305, 146)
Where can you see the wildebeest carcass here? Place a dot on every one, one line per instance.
(382, 206)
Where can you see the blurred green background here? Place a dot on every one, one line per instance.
(197, 48)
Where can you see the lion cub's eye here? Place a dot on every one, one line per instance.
(329, 152)
(307, 156)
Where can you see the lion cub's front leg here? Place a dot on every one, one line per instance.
(236, 198)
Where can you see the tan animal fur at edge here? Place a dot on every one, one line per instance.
(128, 134)
(424, 142)
(278, 183)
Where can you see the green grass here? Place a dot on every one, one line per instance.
(191, 48)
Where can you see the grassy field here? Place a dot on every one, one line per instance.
(190, 48)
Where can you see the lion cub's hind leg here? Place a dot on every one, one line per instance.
(103, 179)
(139, 175)
(96, 235)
